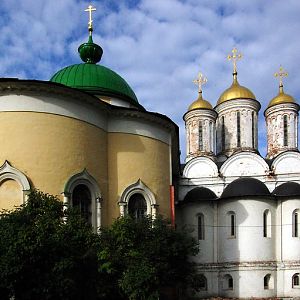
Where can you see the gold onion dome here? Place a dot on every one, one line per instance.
(236, 91)
(200, 103)
(281, 97)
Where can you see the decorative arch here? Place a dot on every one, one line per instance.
(9, 172)
(244, 164)
(200, 167)
(286, 162)
(84, 178)
(138, 188)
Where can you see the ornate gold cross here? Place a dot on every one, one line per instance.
(200, 80)
(281, 74)
(90, 9)
(234, 57)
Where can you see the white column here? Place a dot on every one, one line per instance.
(98, 213)
(122, 206)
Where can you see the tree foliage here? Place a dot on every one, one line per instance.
(144, 256)
(48, 253)
(44, 257)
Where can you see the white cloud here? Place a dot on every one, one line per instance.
(159, 46)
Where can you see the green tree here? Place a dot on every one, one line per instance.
(141, 257)
(44, 257)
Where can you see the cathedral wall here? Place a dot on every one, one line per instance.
(132, 157)
(10, 194)
(49, 149)
(249, 230)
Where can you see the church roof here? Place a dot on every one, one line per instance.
(287, 189)
(200, 193)
(244, 187)
(93, 78)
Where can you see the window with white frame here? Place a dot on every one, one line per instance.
(268, 282)
(142, 200)
(231, 224)
(267, 223)
(201, 227)
(295, 223)
(82, 191)
(295, 281)
(202, 282)
(228, 282)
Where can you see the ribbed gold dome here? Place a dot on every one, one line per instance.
(281, 98)
(235, 91)
(200, 103)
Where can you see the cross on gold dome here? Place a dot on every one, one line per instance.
(90, 9)
(235, 56)
(200, 81)
(281, 74)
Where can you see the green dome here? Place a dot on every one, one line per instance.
(95, 79)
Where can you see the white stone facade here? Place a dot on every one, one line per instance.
(243, 209)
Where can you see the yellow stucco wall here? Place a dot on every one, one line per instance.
(133, 157)
(49, 149)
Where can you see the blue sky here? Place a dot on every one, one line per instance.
(159, 46)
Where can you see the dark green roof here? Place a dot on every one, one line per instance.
(95, 79)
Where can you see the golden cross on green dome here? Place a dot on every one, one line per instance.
(90, 9)
(234, 57)
(200, 81)
(281, 74)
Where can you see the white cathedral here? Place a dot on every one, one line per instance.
(243, 208)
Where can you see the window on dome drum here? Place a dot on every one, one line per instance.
(238, 127)
(232, 224)
(200, 136)
(211, 136)
(285, 131)
(267, 223)
(202, 283)
(296, 281)
(201, 230)
(137, 206)
(253, 130)
(81, 199)
(228, 282)
(223, 133)
(295, 223)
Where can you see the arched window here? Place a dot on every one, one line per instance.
(81, 199)
(231, 224)
(296, 281)
(223, 133)
(141, 198)
(201, 229)
(137, 206)
(285, 131)
(82, 191)
(295, 222)
(202, 283)
(200, 136)
(267, 223)
(228, 282)
(268, 282)
(238, 128)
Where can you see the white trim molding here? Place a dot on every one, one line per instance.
(9, 172)
(90, 182)
(138, 188)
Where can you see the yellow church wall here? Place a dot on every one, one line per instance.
(132, 157)
(50, 148)
(10, 194)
